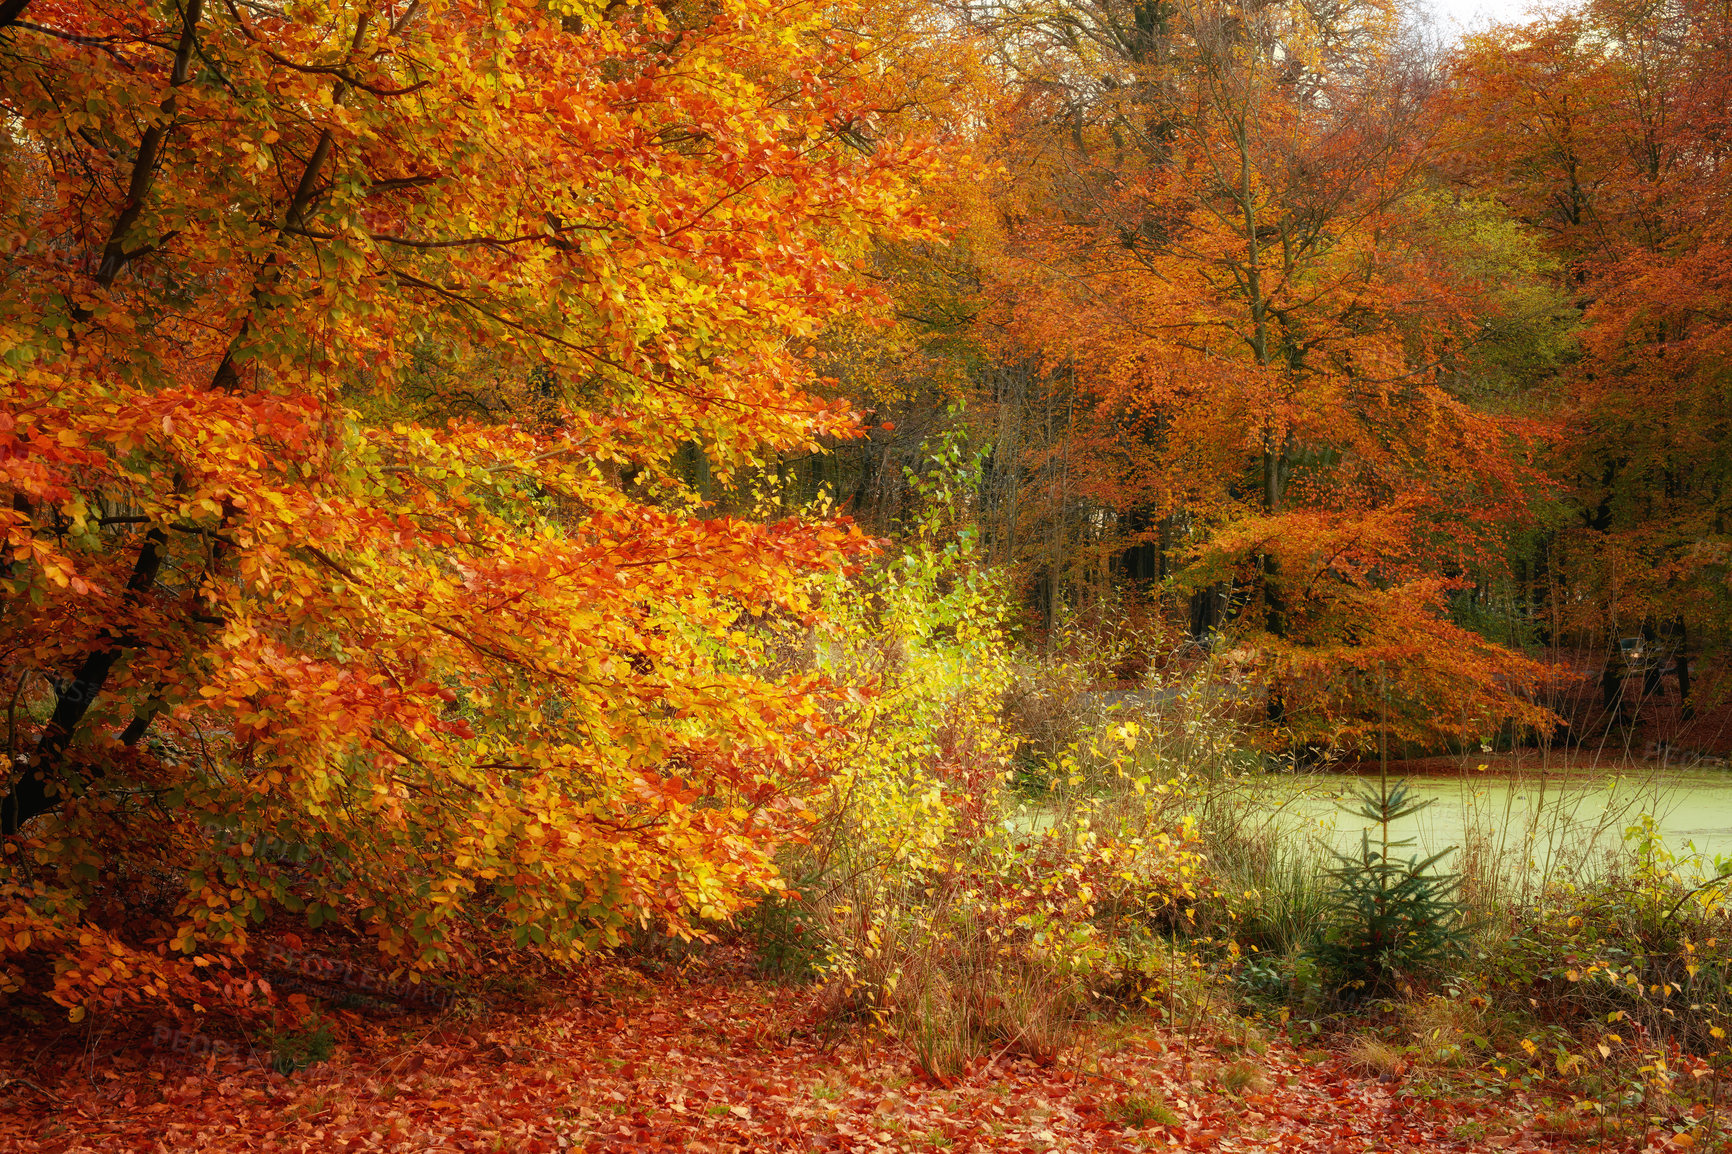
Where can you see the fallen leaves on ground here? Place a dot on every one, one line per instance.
(722, 1066)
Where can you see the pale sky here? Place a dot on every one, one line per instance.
(1453, 17)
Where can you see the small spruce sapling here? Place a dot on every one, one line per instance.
(1392, 916)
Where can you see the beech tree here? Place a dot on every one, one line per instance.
(486, 680)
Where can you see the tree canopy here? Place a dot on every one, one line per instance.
(286, 617)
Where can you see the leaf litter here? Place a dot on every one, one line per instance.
(723, 1065)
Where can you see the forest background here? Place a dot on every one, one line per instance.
(498, 481)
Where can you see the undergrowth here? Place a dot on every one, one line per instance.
(1008, 852)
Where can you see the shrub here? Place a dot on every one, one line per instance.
(787, 946)
(947, 911)
(1291, 979)
(1391, 917)
(1638, 955)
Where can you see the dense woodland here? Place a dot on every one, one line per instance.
(527, 517)
(1369, 355)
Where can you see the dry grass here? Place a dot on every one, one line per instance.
(1143, 1108)
(1448, 1031)
(1375, 1058)
(951, 991)
(1542, 825)
(1241, 1077)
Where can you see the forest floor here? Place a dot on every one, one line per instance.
(714, 1062)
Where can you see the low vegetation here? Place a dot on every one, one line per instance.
(1088, 856)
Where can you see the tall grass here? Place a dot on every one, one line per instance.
(1545, 828)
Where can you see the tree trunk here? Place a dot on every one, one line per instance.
(144, 165)
(1686, 707)
(29, 796)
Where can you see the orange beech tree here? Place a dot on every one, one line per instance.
(1606, 130)
(1251, 306)
(452, 684)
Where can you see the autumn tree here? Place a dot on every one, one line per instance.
(283, 624)
(1234, 267)
(1604, 129)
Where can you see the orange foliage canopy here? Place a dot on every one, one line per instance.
(1221, 239)
(444, 682)
(1606, 129)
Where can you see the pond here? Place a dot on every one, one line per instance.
(1542, 820)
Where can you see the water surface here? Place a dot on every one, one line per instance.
(1541, 820)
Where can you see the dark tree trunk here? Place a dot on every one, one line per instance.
(1687, 708)
(29, 796)
(1612, 687)
(144, 165)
